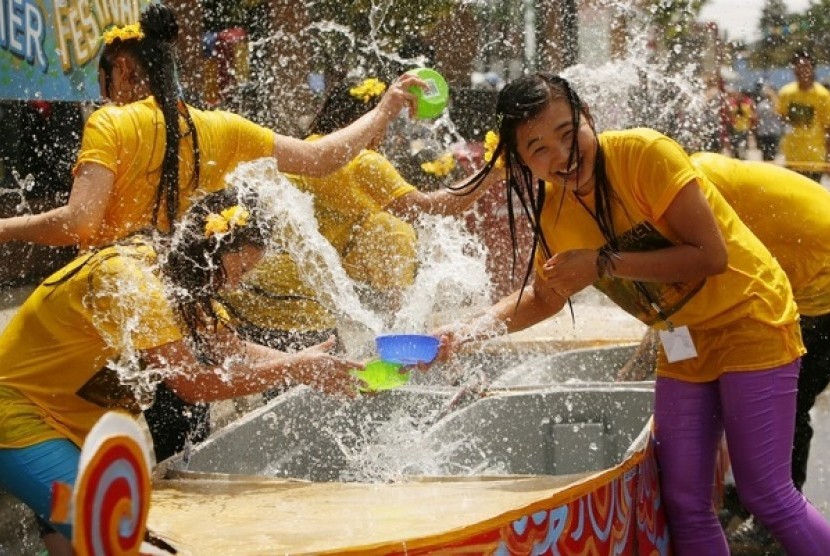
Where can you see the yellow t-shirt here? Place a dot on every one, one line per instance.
(343, 199)
(789, 213)
(742, 319)
(129, 140)
(55, 379)
(808, 114)
(377, 248)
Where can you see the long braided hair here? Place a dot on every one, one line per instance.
(520, 101)
(155, 53)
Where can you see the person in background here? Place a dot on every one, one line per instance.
(628, 212)
(147, 155)
(805, 106)
(768, 125)
(366, 211)
(788, 213)
(117, 320)
(741, 121)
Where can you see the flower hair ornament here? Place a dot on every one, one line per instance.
(125, 33)
(226, 221)
(491, 143)
(368, 89)
(441, 166)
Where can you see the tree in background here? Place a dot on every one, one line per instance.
(784, 32)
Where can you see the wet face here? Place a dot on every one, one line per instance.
(104, 83)
(544, 144)
(115, 81)
(238, 263)
(804, 71)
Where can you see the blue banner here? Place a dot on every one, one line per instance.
(49, 48)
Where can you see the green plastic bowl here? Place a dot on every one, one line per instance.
(433, 100)
(381, 375)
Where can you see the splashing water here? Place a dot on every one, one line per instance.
(296, 231)
(452, 273)
(452, 261)
(402, 446)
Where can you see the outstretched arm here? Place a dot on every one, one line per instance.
(511, 314)
(446, 202)
(249, 369)
(321, 157)
(74, 223)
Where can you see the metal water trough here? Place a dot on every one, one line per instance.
(555, 414)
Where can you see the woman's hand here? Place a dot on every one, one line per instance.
(570, 272)
(398, 96)
(321, 370)
(450, 341)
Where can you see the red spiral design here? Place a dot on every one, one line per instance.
(113, 500)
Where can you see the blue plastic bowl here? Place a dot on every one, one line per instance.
(407, 349)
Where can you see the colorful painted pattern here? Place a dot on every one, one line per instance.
(618, 512)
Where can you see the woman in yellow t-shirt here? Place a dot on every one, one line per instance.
(113, 307)
(365, 210)
(628, 212)
(147, 155)
(144, 157)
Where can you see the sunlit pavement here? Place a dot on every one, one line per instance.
(817, 487)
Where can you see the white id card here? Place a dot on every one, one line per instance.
(677, 344)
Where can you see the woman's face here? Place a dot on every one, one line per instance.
(544, 144)
(238, 263)
(117, 86)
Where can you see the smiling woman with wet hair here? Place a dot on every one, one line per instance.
(629, 213)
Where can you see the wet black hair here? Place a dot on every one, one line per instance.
(519, 101)
(155, 54)
(801, 54)
(340, 107)
(191, 259)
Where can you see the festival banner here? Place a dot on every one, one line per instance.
(49, 48)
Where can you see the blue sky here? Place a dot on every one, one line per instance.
(739, 18)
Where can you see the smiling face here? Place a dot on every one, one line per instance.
(544, 143)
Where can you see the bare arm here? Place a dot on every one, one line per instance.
(701, 253)
(321, 157)
(510, 314)
(74, 223)
(250, 369)
(445, 202)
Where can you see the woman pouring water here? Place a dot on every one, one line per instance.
(628, 212)
(146, 155)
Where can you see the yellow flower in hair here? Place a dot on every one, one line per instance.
(225, 221)
(368, 89)
(440, 167)
(491, 142)
(127, 32)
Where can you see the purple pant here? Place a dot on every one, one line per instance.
(756, 409)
